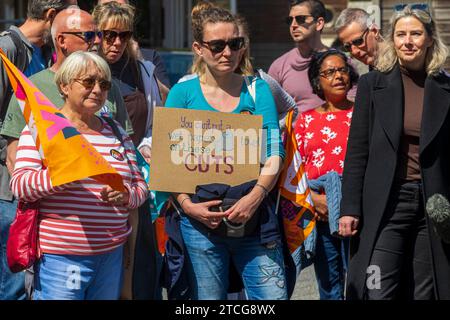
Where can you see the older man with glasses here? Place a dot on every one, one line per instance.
(359, 35)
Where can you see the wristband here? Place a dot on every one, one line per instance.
(181, 203)
(266, 192)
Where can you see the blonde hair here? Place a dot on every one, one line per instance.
(203, 13)
(436, 54)
(245, 65)
(118, 15)
(77, 64)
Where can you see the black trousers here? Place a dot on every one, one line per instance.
(401, 258)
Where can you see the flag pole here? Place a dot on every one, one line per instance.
(278, 201)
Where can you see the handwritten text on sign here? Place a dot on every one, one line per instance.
(192, 147)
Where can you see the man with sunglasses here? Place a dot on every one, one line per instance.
(306, 21)
(28, 48)
(359, 35)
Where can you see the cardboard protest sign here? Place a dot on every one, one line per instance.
(192, 147)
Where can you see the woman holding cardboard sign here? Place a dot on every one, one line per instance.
(256, 250)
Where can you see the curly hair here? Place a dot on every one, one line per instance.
(316, 63)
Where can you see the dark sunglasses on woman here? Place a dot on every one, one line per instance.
(300, 19)
(87, 36)
(89, 83)
(217, 46)
(110, 36)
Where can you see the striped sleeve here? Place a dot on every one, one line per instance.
(137, 189)
(30, 181)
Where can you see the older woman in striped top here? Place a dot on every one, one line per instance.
(82, 225)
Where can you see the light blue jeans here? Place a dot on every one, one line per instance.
(12, 285)
(73, 277)
(260, 267)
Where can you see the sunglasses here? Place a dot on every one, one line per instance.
(356, 42)
(412, 6)
(217, 46)
(87, 36)
(301, 19)
(110, 36)
(89, 83)
(330, 73)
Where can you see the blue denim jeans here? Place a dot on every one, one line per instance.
(73, 277)
(12, 285)
(330, 263)
(260, 267)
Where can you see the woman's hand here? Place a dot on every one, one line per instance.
(114, 197)
(348, 226)
(245, 208)
(320, 206)
(200, 212)
(146, 153)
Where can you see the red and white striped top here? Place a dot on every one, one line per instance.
(73, 218)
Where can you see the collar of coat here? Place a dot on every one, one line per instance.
(388, 99)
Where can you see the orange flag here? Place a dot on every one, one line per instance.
(296, 206)
(64, 151)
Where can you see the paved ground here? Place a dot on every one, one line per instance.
(306, 286)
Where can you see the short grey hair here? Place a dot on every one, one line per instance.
(37, 8)
(350, 15)
(77, 64)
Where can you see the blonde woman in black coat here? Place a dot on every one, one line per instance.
(396, 181)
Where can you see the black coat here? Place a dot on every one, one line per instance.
(371, 161)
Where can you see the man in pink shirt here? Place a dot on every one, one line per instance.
(306, 21)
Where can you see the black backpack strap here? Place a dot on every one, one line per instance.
(21, 53)
(114, 128)
(20, 61)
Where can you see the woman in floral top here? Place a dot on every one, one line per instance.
(322, 135)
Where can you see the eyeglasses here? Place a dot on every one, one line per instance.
(217, 46)
(412, 6)
(300, 19)
(356, 42)
(110, 36)
(87, 36)
(331, 73)
(89, 83)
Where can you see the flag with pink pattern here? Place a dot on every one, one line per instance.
(64, 151)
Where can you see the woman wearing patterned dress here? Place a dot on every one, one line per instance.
(322, 135)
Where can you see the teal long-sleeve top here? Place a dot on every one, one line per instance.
(189, 95)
